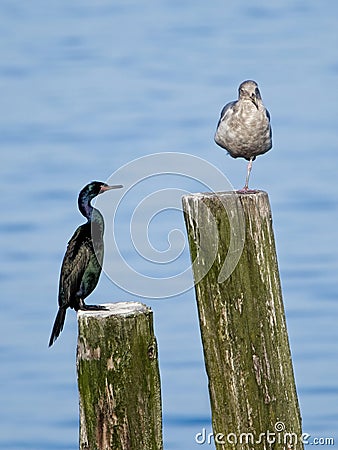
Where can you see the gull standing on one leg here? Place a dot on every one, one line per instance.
(244, 126)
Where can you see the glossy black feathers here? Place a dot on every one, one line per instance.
(82, 263)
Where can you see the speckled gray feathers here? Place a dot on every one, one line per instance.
(244, 128)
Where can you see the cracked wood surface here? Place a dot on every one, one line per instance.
(118, 379)
(242, 320)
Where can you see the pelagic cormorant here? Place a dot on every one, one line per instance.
(82, 263)
(244, 126)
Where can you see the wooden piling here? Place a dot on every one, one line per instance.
(118, 379)
(242, 321)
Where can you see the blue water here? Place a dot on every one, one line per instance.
(88, 87)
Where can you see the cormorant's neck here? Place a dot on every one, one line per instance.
(94, 217)
(87, 210)
(85, 207)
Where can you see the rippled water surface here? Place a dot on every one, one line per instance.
(88, 87)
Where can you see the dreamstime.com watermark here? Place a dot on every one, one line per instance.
(279, 436)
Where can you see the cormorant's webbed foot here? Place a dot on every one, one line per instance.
(85, 307)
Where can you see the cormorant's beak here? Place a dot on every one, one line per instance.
(108, 188)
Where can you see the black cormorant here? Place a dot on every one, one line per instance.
(82, 263)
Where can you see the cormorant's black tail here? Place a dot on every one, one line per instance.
(58, 325)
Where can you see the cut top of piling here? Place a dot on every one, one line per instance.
(121, 309)
(250, 193)
(230, 198)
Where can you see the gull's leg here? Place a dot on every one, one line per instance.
(246, 187)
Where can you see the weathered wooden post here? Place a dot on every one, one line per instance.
(242, 321)
(118, 379)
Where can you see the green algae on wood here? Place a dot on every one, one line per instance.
(242, 321)
(118, 379)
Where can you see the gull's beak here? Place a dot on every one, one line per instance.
(254, 100)
(108, 188)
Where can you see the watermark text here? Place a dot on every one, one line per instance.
(280, 436)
